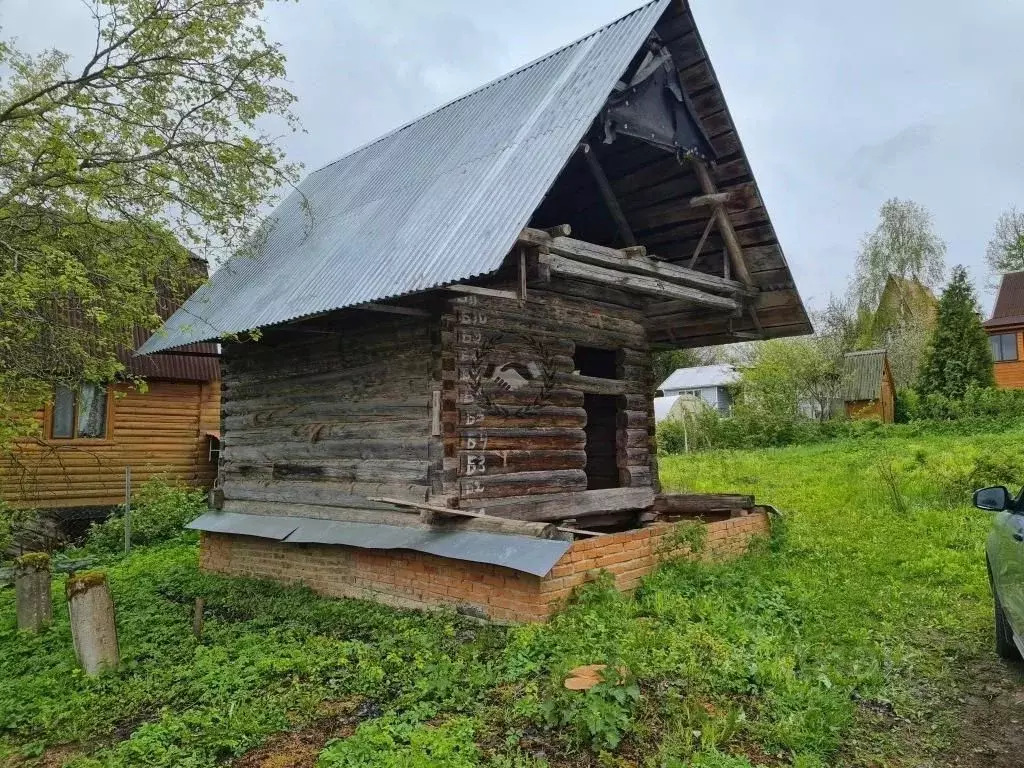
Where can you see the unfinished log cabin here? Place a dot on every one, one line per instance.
(450, 396)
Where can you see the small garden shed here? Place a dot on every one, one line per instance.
(451, 397)
(868, 388)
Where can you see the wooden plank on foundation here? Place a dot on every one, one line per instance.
(697, 503)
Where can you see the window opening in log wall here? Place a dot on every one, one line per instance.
(602, 410)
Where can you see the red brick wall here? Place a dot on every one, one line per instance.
(417, 580)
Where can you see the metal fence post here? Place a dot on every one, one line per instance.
(127, 509)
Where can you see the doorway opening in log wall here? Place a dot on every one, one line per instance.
(602, 410)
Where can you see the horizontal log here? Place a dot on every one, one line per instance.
(601, 256)
(651, 286)
(355, 495)
(521, 484)
(635, 477)
(474, 462)
(696, 503)
(414, 448)
(446, 518)
(593, 385)
(565, 506)
(540, 417)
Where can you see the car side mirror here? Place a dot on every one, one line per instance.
(994, 499)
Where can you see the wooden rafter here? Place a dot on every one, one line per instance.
(608, 195)
(732, 243)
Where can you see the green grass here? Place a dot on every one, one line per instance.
(836, 643)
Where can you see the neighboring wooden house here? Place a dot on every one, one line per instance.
(868, 388)
(904, 299)
(434, 341)
(89, 434)
(707, 384)
(1004, 332)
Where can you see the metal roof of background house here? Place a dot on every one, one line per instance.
(1009, 308)
(862, 375)
(700, 376)
(438, 200)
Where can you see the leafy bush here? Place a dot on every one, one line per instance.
(599, 716)
(159, 513)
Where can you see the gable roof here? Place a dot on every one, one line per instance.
(443, 198)
(700, 376)
(862, 374)
(438, 200)
(1009, 307)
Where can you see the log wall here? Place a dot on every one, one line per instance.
(510, 445)
(160, 432)
(323, 415)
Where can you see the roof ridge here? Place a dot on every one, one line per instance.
(868, 351)
(485, 86)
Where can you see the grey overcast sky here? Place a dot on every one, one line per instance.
(839, 105)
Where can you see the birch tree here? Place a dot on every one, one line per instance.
(116, 163)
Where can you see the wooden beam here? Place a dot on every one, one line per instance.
(696, 503)
(565, 506)
(612, 258)
(394, 309)
(522, 274)
(560, 230)
(608, 195)
(593, 385)
(477, 290)
(700, 243)
(651, 286)
(717, 198)
(430, 513)
(732, 243)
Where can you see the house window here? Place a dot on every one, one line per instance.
(79, 413)
(1004, 346)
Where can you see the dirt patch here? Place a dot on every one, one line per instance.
(992, 721)
(300, 749)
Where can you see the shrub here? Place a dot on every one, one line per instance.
(908, 406)
(599, 716)
(159, 513)
(396, 741)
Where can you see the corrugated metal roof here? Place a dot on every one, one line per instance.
(439, 200)
(1010, 299)
(700, 376)
(520, 553)
(862, 375)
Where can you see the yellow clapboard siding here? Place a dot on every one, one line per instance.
(160, 433)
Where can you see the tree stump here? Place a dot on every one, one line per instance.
(32, 598)
(93, 628)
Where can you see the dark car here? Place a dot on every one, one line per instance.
(1005, 555)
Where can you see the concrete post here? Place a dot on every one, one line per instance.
(32, 598)
(93, 628)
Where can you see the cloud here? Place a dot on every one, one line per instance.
(869, 159)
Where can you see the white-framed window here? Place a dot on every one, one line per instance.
(79, 413)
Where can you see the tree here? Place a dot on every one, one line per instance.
(111, 174)
(1005, 251)
(786, 374)
(958, 355)
(903, 245)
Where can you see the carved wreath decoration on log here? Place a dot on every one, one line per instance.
(486, 375)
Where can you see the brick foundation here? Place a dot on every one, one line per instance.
(416, 580)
